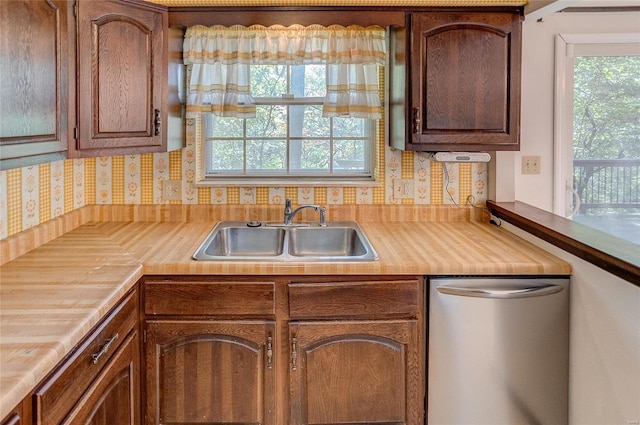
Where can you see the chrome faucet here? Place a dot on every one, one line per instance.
(288, 214)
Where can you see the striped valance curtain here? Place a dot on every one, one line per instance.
(219, 59)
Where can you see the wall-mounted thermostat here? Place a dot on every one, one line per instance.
(462, 157)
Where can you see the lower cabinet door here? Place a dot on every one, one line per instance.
(349, 372)
(210, 372)
(114, 397)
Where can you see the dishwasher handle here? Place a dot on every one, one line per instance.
(500, 291)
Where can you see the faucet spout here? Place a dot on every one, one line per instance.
(289, 214)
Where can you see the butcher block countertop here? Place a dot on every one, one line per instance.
(53, 293)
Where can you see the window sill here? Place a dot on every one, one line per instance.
(289, 182)
(615, 255)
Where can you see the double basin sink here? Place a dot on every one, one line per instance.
(242, 241)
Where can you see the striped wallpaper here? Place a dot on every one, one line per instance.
(32, 195)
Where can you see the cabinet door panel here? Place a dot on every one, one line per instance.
(35, 59)
(356, 372)
(114, 396)
(120, 61)
(210, 372)
(466, 81)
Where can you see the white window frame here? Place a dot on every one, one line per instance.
(567, 47)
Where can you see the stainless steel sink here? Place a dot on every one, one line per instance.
(234, 241)
(326, 241)
(241, 241)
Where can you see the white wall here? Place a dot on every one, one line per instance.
(604, 369)
(537, 101)
(605, 310)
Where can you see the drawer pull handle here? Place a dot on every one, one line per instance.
(269, 353)
(104, 349)
(294, 353)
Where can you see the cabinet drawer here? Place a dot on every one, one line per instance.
(374, 299)
(210, 298)
(55, 398)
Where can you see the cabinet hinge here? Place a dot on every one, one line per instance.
(75, 9)
(144, 336)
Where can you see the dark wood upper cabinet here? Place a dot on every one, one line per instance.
(36, 61)
(462, 89)
(121, 78)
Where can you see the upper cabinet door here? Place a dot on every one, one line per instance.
(36, 60)
(465, 81)
(120, 78)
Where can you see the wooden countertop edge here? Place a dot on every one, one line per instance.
(608, 252)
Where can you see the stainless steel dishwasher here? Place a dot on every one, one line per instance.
(498, 351)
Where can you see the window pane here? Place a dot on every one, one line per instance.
(266, 156)
(268, 80)
(222, 127)
(308, 80)
(307, 121)
(351, 127)
(225, 155)
(350, 155)
(309, 156)
(605, 141)
(270, 121)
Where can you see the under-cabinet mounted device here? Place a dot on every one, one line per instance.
(462, 156)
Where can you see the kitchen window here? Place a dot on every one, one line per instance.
(289, 136)
(597, 137)
(283, 103)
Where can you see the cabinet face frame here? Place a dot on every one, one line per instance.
(38, 145)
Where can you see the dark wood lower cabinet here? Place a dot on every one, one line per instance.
(98, 383)
(310, 351)
(210, 372)
(114, 397)
(355, 372)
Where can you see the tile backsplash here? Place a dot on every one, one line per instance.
(35, 194)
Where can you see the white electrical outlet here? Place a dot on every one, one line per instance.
(172, 190)
(530, 165)
(402, 188)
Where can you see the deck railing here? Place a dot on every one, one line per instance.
(607, 183)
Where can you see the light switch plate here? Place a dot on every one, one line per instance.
(402, 188)
(530, 165)
(172, 190)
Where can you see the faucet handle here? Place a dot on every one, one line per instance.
(322, 223)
